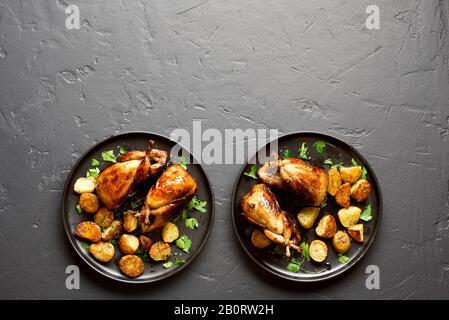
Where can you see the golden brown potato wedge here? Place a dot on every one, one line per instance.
(131, 266)
(102, 251)
(356, 232)
(334, 181)
(104, 217)
(259, 239)
(343, 195)
(112, 231)
(89, 202)
(307, 216)
(88, 230)
(170, 232)
(341, 242)
(129, 221)
(128, 243)
(145, 242)
(349, 216)
(326, 227)
(84, 185)
(350, 174)
(318, 250)
(360, 190)
(160, 251)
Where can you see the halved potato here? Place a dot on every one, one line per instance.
(112, 231)
(356, 232)
(259, 239)
(88, 230)
(307, 216)
(145, 242)
(160, 251)
(318, 250)
(84, 185)
(128, 243)
(104, 217)
(102, 251)
(349, 216)
(341, 242)
(129, 221)
(170, 232)
(343, 195)
(360, 190)
(131, 265)
(350, 174)
(326, 227)
(334, 181)
(89, 202)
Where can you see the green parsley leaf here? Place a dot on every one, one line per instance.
(168, 264)
(279, 251)
(303, 152)
(343, 259)
(93, 173)
(78, 209)
(191, 223)
(176, 254)
(109, 156)
(364, 173)
(323, 205)
(248, 231)
(252, 173)
(197, 204)
(85, 245)
(329, 161)
(305, 250)
(179, 262)
(121, 150)
(143, 255)
(184, 243)
(320, 146)
(337, 166)
(95, 163)
(182, 162)
(287, 154)
(366, 214)
(112, 241)
(294, 265)
(354, 163)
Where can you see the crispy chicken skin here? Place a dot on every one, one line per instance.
(260, 207)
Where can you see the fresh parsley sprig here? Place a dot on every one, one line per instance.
(252, 173)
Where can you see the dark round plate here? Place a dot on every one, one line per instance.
(340, 152)
(153, 271)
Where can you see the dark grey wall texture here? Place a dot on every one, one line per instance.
(157, 65)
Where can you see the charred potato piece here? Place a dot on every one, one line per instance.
(356, 232)
(318, 250)
(145, 242)
(334, 181)
(326, 227)
(349, 216)
(102, 251)
(89, 202)
(360, 190)
(307, 216)
(112, 231)
(170, 232)
(259, 239)
(88, 230)
(131, 266)
(350, 174)
(128, 243)
(104, 217)
(341, 242)
(84, 185)
(343, 195)
(129, 221)
(160, 251)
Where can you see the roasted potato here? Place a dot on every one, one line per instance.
(360, 190)
(112, 231)
(356, 232)
(343, 195)
(129, 221)
(84, 185)
(350, 174)
(326, 227)
(145, 242)
(88, 230)
(341, 242)
(349, 216)
(334, 181)
(318, 250)
(102, 251)
(89, 202)
(170, 232)
(131, 266)
(259, 239)
(307, 216)
(128, 243)
(104, 217)
(160, 251)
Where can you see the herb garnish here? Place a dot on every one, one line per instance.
(252, 173)
(184, 243)
(320, 146)
(303, 152)
(366, 214)
(109, 156)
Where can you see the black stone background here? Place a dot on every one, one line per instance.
(286, 64)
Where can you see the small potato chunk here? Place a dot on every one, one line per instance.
(326, 227)
(307, 216)
(350, 174)
(88, 230)
(84, 185)
(341, 242)
(145, 242)
(318, 250)
(102, 251)
(129, 221)
(104, 217)
(349, 216)
(356, 232)
(89, 202)
(131, 266)
(170, 232)
(343, 195)
(334, 181)
(112, 231)
(259, 239)
(360, 190)
(160, 251)
(128, 243)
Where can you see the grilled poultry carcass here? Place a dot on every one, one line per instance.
(260, 207)
(115, 183)
(173, 188)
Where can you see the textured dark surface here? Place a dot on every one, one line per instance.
(292, 65)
